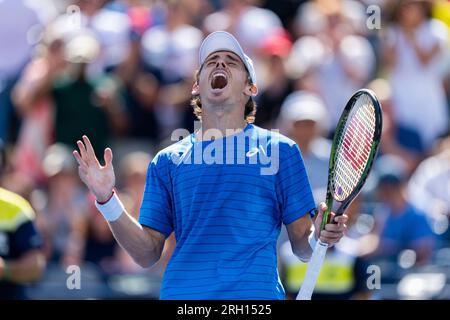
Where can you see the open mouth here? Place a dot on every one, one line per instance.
(219, 80)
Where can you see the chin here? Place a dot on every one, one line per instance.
(216, 96)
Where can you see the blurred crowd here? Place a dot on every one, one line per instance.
(121, 72)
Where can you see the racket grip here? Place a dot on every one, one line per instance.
(312, 272)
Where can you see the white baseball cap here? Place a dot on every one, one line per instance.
(303, 105)
(224, 41)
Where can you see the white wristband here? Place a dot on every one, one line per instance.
(312, 239)
(112, 209)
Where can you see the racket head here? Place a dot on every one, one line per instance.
(355, 146)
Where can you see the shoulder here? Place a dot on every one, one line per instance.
(277, 144)
(273, 136)
(14, 210)
(173, 152)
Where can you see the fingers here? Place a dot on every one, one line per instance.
(341, 220)
(86, 153)
(108, 156)
(338, 223)
(333, 232)
(335, 227)
(89, 149)
(330, 237)
(322, 207)
(80, 161)
(82, 149)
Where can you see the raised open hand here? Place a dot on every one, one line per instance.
(99, 179)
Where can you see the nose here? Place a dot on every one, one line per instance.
(220, 63)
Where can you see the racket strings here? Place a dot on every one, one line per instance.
(354, 148)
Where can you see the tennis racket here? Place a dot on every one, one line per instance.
(355, 145)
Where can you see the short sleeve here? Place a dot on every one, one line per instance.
(26, 238)
(293, 187)
(156, 208)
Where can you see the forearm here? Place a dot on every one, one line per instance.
(302, 248)
(141, 245)
(28, 268)
(298, 232)
(25, 95)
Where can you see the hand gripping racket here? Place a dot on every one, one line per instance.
(355, 145)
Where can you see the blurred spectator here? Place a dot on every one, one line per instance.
(83, 105)
(87, 105)
(347, 58)
(172, 47)
(303, 63)
(63, 218)
(399, 225)
(397, 139)
(34, 104)
(312, 16)
(16, 50)
(249, 23)
(429, 188)
(21, 258)
(170, 50)
(415, 52)
(285, 10)
(141, 80)
(273, 52)
(303, 118)
(110, 28)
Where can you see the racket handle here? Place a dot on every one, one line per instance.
(326, 214)
(312, 272)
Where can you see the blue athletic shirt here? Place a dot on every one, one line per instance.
(226, 199)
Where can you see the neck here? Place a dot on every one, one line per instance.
(227, 122)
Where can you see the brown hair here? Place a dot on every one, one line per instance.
(249, 111)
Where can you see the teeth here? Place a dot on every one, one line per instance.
(220, 73)
(219, 79)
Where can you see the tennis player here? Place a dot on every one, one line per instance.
(224, 191)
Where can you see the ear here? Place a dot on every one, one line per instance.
(251, 90)
(195, 89)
